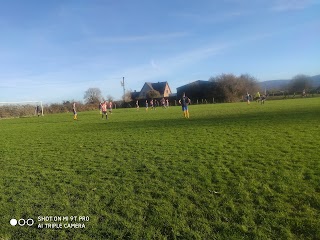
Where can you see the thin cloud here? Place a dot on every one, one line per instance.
(164, 67)
(151, 71)
(141, 38)
(291, 5)
(213, 18)
(153, 64)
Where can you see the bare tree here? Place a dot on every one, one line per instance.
(127, 96)
(299, 83)
(153, 94)
(93, 95)
(110, 98)
(249, 84)
(226, 87)
(230, 88)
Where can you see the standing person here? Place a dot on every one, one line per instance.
(110, 107)
(248, 98)
(263, 98)
(185, 101)
(137, 104)
(104, 109)
(167, 101)
(146, 105)
(155, 104)
(38, 110)
(100, 108)
(257, 97)
(74, 111)
(151, 104)
(163, 103)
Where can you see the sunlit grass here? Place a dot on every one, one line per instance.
(231, 171)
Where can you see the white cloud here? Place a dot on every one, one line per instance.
(155, 71)
(153, 64)
(139, 38)
(213, 18)
(73, 81)
(152, 71)
(289, 5)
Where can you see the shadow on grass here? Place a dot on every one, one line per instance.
(260, 118)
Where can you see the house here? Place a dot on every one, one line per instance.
(162, 87)
(135, 95)
(196, 90)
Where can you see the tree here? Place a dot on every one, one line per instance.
(110, 98)
(153, 94)
(197, 90)
(249, 84)
(127, 96)
(230, 88)
(93, 95)
(225, 88)
(299, 83)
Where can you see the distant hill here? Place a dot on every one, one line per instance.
(316, 80)
(282, 83)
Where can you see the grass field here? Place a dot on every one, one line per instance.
(231, 171)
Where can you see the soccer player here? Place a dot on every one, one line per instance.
(110, 107)
(185, 101)
(104, 109)
(74, 111)
(163, 103)
(263, 98)
(137, 104)
(151, 104)
(38, 110)
(146, 105)
(248, 98)
(100, 104)
(257, 97)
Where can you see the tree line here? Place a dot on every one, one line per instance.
(221, 88)
(232, 88)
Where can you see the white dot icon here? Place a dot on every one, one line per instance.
(13, 222)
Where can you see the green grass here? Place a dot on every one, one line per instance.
(231, 171)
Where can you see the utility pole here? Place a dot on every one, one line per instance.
(124, 90)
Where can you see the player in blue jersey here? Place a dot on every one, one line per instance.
(185, 101)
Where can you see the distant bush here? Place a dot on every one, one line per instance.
(9, 111)
(12, 111)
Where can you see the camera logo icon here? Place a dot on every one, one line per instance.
(22, 222)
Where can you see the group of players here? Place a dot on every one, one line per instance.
(184, 102)
(106, 106)
(258, 98)
(154, 103)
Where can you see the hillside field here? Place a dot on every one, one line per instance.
(231, 171)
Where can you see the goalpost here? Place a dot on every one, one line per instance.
(20, 109)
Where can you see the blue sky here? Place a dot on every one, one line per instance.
(55, 50)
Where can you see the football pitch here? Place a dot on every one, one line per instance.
(231, 171)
